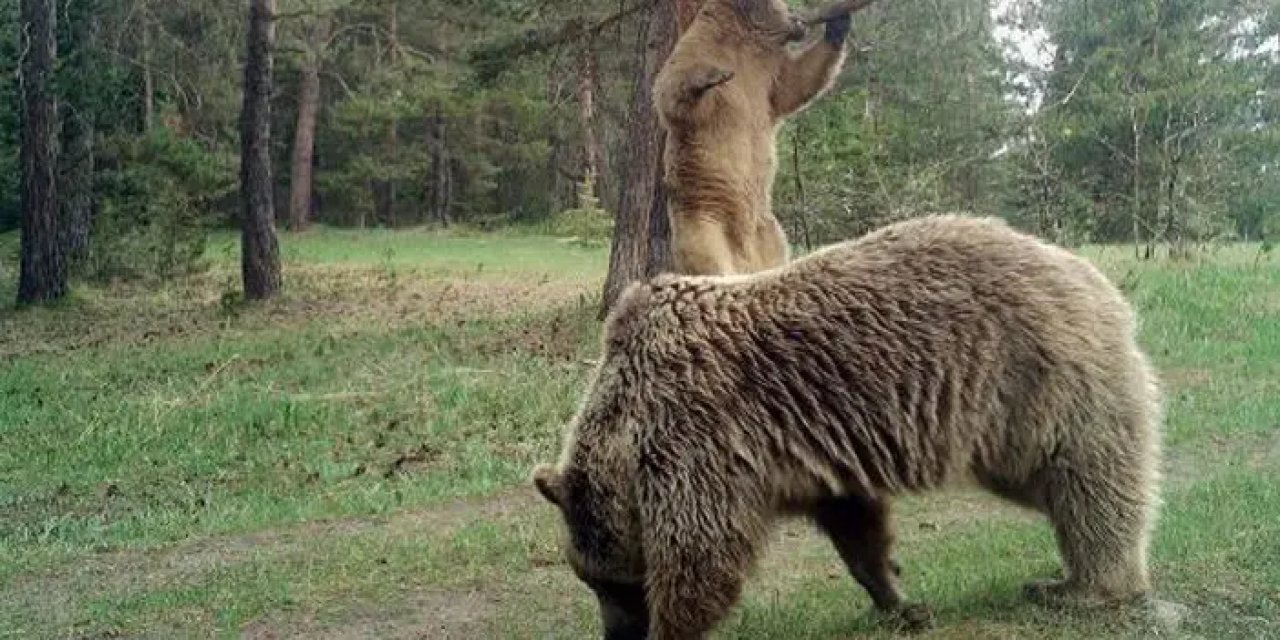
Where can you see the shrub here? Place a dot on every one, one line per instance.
(157, 205)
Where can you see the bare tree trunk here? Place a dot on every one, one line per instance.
(803, 208)
(260, 251)
(76, 162)
(43, 271)
(587, 77)
(440, 186)
(384, 190)
(76, 182)
(1136, 204)
(301, 178)
(148, 80)
(642, 232)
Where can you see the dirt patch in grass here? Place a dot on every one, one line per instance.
(561, 335)
(51, 597)
(339, 296)
(169, 564)
(451, 615)
(1184, 378)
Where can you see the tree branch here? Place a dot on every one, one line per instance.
(493, 58)
(833, 11)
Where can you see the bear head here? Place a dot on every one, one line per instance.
(601, 553)
(593, 488)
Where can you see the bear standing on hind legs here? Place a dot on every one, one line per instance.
(926, 354)
(720, 97)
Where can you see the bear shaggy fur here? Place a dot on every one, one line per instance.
(927, 353)
(720, 97)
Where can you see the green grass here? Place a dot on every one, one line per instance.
(443, 250)
(350, 460)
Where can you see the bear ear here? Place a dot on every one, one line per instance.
(547, 480)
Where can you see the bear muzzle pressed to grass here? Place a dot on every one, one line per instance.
(928, 353)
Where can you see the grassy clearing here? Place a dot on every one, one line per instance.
(348, 462)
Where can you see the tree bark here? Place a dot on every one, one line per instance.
(440, 180)
(302, 176)
(76, 161)
(1136, 203)
(384, 189)
(43, 271)
(642, 232)
(260, 251)
(587, 77)
(148, 80)
(76, 183)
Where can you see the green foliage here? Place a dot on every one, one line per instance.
(10, 172)
(586, 224)
(908, 129)
(961, 124)
(470, 115)
(157, 206)
(1151, 108)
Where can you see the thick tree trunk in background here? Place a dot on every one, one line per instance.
(686, 10)
(304, 134)
(260, 252)
(76, 162)
(642, 237)
(76, 183)
(43, 271)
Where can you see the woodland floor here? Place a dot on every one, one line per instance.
(351, 460)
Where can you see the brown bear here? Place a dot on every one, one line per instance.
(925, 354)
(720, 97)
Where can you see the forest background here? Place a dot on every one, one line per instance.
(1148, 122)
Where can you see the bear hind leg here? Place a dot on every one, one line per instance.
(1100, 514)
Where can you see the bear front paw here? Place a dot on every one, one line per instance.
(798, 30)
(908, 618)
(837, 29)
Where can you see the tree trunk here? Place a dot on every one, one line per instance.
(587, 77)
(440, 180)
(260, 252)
(301, 178)
(686, 11)
(642, 232)
(76, 183)
(1137, 181)
(384, 189)
(148, 81)
(43, 271)
(76, 162)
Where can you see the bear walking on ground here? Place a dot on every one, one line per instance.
(720, 97)
(927, 353)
